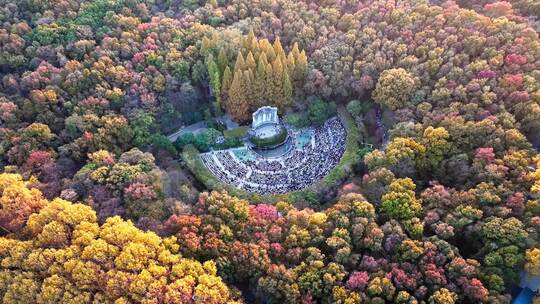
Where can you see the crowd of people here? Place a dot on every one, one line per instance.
(266, 165)
(296, 170)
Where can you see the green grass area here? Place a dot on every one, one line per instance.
(236, 133)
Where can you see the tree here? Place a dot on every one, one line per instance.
(356, 107)
(132, 265)
(17, 202)
(400, 201)
(222, 60)
(215, 78)
(319, 111)
(226, 85)
(533, 261)
(273, 75)
(394, 88)
(260, 86)
(142, 124)
(238, 102)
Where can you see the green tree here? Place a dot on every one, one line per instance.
(215, 79)
(319, 111)
(142, 124)
(400, 201)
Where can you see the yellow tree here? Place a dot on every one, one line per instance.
(67, 257)
(222, 60)
(276, 90)
(300, 68)
(278, 50)
(394, 88)
(259, 83)
(250, 62)
(240, 63)
(290, 63)
(266, 47)
(226, 84)
(400, 201)
(238, 103)
(437, 146)
(287, 90)
(17, 202)
(532, 264)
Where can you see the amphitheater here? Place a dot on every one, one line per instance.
(306, 157)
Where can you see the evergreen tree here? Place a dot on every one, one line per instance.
(260, 84)
(268, 82)
(287, 90)
(227, 80)
(240, 63)
(276, 86)
(222, 60)
(213, 75)
(278, 49)
(269, 75)
(207, 45)
(291, 64)
(250, 62)
(238, 103)
(267, 48)
(255, 49)
(300, 68)
(247, 86)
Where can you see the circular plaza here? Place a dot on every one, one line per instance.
(305, 157)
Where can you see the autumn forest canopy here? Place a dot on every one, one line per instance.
(435, 199)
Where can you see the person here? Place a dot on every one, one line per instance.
(298, 169)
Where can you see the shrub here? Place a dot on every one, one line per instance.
(161, 142)
(319, 111)
(356, 107)
(202, 141)
(297, 120)
(271, 141)
(237, 133)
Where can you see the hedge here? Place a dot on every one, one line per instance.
(271, 141)
(351, 156)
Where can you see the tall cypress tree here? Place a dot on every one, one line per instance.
(278, 49)
(267, 74)
(240, 63)
(238, 103)
(267, 48)
(276, 86)
(222, 60)
(225, 86)
(287, 90)
(250, 62)
(259, 84)
(291, 63)
(215, 81)
(300, 68)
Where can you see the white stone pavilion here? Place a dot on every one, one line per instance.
(265, 122)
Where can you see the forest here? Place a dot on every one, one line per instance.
(436, 199)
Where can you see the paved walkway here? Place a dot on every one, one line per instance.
(194, 128)
(202, 126)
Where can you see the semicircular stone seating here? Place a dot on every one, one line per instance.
(305, 164)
